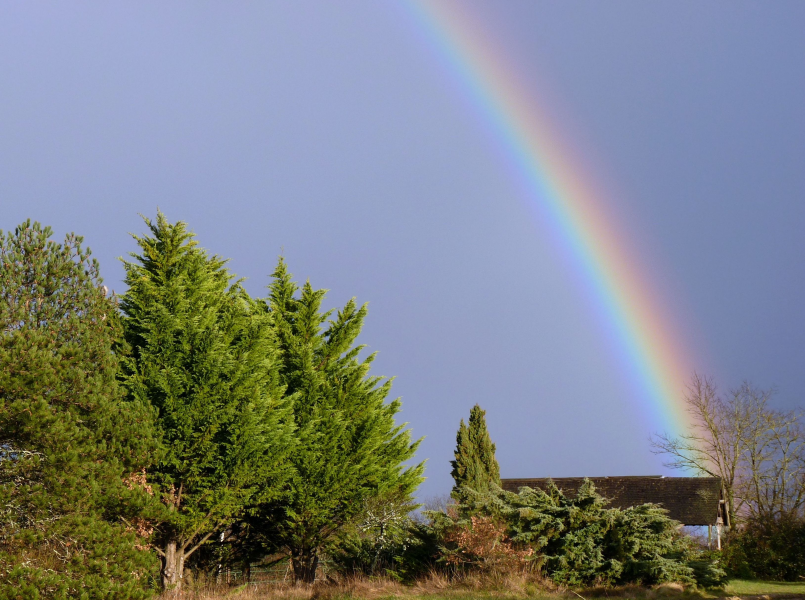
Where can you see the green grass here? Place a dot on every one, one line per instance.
(736, 587)
(743, 587)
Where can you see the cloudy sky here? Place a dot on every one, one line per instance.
(337, 134)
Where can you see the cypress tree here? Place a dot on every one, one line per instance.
(69, 443)
(202, 354)
(475, 465)
(349, 447)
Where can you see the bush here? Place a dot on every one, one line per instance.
(372, 543)
(482, 543)
(573, 541)
(771, 549)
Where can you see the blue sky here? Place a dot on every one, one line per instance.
(332, 133)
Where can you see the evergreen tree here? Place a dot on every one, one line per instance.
(69, 444)
(475, 465)
(349, 450)
(202, 354)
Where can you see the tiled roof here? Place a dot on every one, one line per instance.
(689, 500)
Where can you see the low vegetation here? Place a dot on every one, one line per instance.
(744, 587)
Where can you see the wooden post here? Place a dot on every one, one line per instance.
(718, 533)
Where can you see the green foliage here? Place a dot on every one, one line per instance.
(371, 544)
(770, 549)
(202, 353)
(475, 465)
(68, 441)
(422, 553)
(708, 566)
(349, 450)
(579, 541)
(360, 555)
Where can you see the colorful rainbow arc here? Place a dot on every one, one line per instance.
(651, 355)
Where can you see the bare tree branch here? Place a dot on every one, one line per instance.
(758, 452)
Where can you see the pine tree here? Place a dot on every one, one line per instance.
(475, 465)
(68, 442)
(349, 447)
(202, 354)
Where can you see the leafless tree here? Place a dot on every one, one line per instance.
(758, 452)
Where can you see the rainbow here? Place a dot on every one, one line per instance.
(558, 187)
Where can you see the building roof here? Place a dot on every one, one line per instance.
(689, 500)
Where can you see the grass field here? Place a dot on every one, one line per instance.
(740, 587)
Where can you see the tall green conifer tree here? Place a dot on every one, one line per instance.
(350, 449)
(68, 442)
(475, 465)
(202, 354)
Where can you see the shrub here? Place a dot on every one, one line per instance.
(482, 543)
(574, 541)
(768, 549)
(372, 542)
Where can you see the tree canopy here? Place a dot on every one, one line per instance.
(69, 443)
(349, 447)
(475, 465)
(201, 353)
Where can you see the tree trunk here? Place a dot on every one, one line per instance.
(172, 568)
(305, 563)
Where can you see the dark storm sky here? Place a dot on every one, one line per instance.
(333, 133)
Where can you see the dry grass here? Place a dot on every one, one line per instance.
(439, 587)
(434, 587)
(664, 591)
(492, 586)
